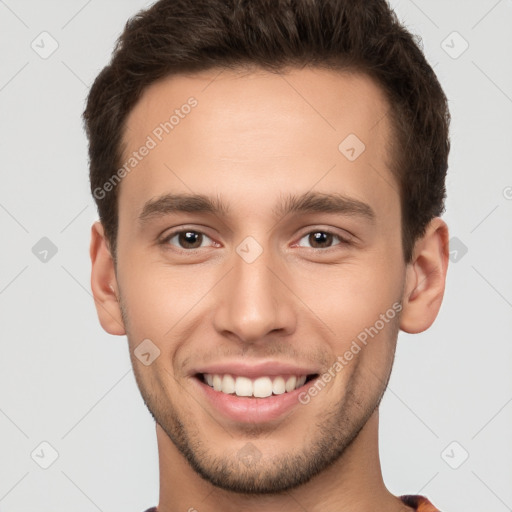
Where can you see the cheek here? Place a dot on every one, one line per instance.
(363, 361)
(157, 296)
(349, 297)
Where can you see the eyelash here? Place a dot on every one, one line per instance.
(342, 240)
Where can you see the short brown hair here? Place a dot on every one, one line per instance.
(174, 36)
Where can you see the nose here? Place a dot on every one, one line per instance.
(254, 301)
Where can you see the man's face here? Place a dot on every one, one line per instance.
(253, 290)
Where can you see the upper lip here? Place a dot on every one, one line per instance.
(255, 369)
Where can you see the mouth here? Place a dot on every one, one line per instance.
(260, 387)
(253, 391)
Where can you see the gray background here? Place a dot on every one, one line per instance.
(66, 382)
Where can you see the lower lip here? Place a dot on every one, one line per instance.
(252, 410)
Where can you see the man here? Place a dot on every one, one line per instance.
(269, 177)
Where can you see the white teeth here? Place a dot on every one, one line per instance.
(228, 384)
(217, 382)
(290, 383)
(278, 386)
(243, 386)
(261, 387)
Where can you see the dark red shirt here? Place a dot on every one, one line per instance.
(418, 503)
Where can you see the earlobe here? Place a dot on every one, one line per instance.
(104, 283)
(425, 279)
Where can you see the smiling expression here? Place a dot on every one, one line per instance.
(252, 250)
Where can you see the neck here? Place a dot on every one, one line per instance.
(354, 482)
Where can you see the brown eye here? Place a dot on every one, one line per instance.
(322, 239)
(187, 239)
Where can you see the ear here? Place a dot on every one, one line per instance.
(104, 283)
(425, 278)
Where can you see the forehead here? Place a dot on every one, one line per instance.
(243, 133)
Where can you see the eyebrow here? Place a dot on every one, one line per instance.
(324, 203)
(308, 202)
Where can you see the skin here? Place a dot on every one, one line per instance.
(253, 138)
